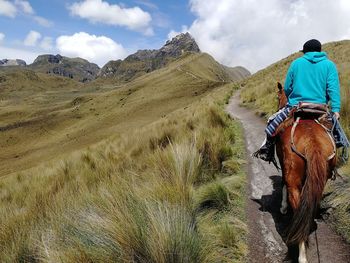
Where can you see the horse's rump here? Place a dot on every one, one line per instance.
(307, 172)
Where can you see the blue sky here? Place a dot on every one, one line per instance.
(165, 16)
(251, 33)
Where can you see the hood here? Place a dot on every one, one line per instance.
(315, 57)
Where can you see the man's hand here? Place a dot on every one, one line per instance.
(336, 115)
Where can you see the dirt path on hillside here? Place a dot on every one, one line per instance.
(265, 222)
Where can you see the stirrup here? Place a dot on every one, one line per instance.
(266, 157)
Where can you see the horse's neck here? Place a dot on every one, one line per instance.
(283, 101)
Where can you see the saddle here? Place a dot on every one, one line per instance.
(307, 111)
(311, 110)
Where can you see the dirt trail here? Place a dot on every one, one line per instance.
(265, 222)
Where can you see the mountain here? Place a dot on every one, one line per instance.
(74, 68)
(121, 71)
(145, 61)
(12, 62)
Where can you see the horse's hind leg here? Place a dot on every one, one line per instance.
(302, 253)
(284, 204)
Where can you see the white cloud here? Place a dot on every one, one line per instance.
(24, 6)
(99, 11)
(255, 34)
(13, 53)
(7, 8)
(32, 39)
(147, 3)
(43, 21)
(174, 33)
(2, 37)
(11, 9)
(97, 49)
(35, 39)
(46, 43)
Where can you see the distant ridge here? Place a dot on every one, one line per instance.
(121, 71)
(237, 73)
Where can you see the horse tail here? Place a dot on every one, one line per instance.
(311, 194)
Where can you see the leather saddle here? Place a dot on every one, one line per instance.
(311, 111)
(307, 111)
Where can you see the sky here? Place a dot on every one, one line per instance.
(249, 33)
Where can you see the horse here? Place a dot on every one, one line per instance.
(307, 159)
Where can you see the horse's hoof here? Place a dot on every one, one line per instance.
(283, 210)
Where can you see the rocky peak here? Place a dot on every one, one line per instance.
(173, 48)
(179, 44)
(12, 62)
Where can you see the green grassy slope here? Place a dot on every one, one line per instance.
(259, 93)
(169, 188)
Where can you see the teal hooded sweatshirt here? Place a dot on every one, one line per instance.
(313, 78)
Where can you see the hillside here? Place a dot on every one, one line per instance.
(58, 115)
(259, 93)
(104, 172)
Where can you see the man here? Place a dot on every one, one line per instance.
(310, 78)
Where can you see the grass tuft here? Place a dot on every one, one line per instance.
(143, 196)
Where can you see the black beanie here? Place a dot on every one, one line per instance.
(312, 46)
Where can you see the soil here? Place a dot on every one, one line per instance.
(265, 223)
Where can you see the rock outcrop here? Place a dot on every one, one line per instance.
(74, 68)
(12, 62)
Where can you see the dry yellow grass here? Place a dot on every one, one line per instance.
(57, 115)
(171, 191)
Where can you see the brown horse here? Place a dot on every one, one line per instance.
(305, 169)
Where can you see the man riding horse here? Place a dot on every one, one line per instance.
(305, 148)
(311, 78)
